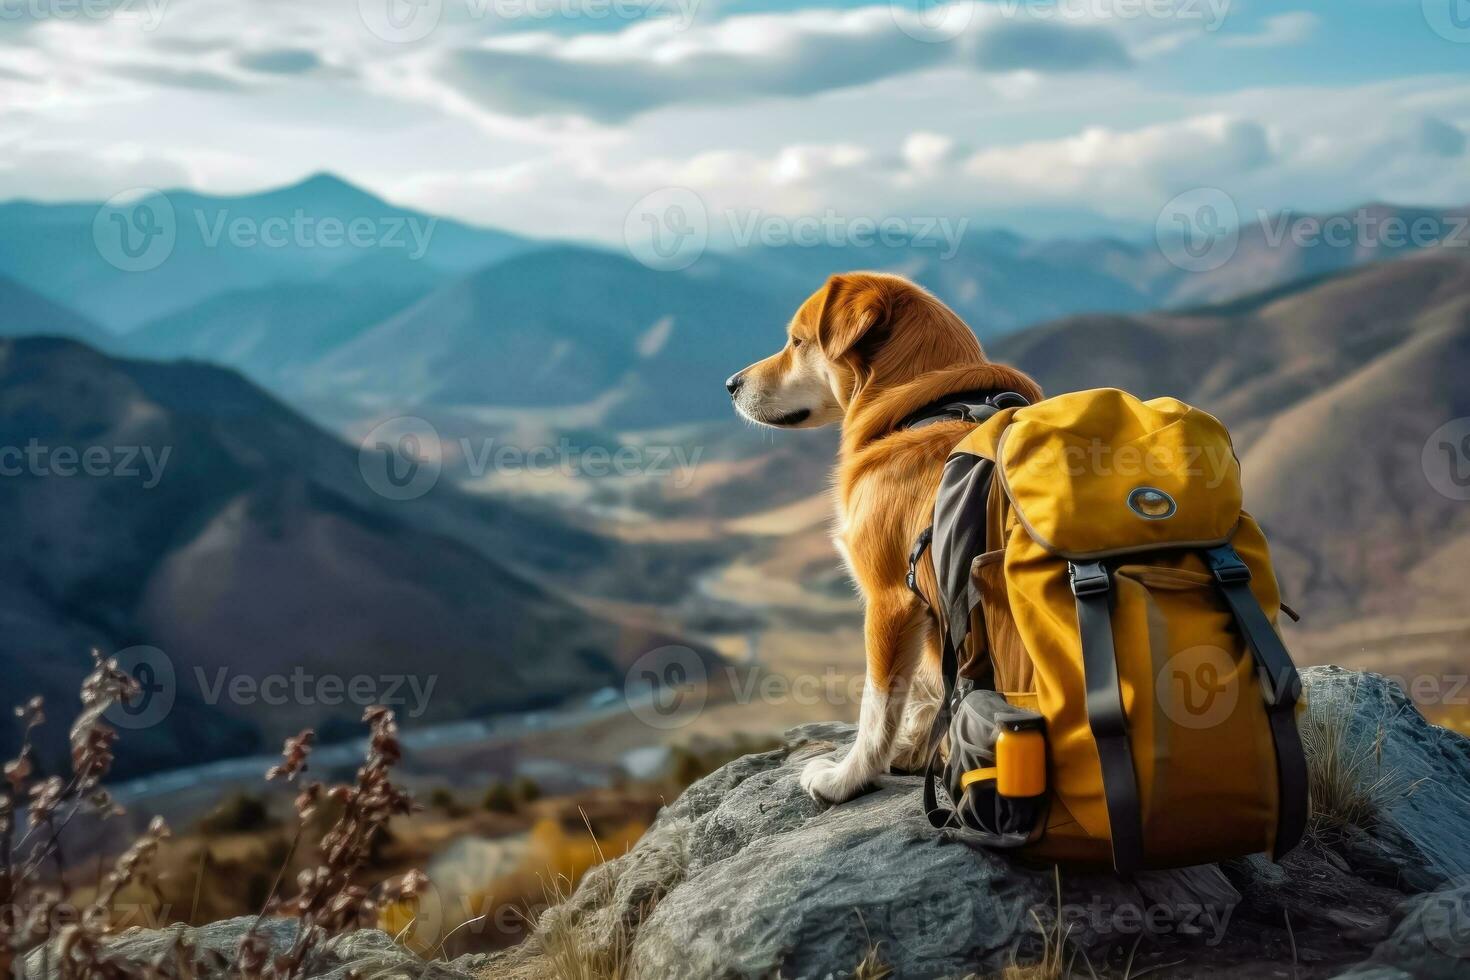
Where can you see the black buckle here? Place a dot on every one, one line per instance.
(912, 578)
(1089, 578)
(974, 413)
(1227, 566)
(1009, 399)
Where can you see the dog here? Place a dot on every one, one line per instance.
(867, 351)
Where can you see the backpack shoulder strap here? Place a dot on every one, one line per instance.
(954, 540)
(1281, 686)
(961, 510)
(1093, 587)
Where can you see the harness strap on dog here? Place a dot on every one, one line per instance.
(1281, 686)
(941, 817)
(920, 545)
(964, 406)
(1093, 586)
(958, 533)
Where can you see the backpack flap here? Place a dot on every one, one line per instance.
(1097, 474)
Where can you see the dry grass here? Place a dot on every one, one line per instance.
(1057, 956)
(871, 966)
(571, 956)
(573, 951)
(1346, 776)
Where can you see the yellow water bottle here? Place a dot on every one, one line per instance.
(1020, 756)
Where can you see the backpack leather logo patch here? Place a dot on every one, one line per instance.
(1151, 504)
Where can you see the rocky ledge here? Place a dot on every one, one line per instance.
(745, 876)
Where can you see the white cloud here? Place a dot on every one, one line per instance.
(1108, 167)
(1269, 149)
(557, 133)
(1278, 31)
(926, 153)
(651, 64)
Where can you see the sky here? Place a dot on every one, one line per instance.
(555, 118)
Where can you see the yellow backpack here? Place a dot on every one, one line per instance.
(1116, 692)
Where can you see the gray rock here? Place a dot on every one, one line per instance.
(745, 876)
(211, 950)
(1432, 941)
(1422, 831)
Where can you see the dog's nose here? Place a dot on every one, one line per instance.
(733, 383)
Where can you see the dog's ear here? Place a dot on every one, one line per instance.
(854, 314)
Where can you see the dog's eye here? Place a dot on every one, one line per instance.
(795, 342)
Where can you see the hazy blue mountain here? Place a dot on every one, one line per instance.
(484, 319)
(190, 247)
(1001, 281)
(24, 311)
(570, 326)
(274, 332)
(997, 281)
(218, 526)
(1288, 247)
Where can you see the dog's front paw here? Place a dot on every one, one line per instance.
(826, 781)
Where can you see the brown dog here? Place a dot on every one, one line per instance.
(868, 350)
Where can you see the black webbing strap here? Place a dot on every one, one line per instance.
(941, 817)
(920, 545)
(1093, 587)
(964, 406)
(1281, 686)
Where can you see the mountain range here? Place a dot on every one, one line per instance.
(24, 311)
(215, 525)
(486, 319)
(194, 247)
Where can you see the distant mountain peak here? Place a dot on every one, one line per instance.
(326, 182)
(324, 179)
(325, 188)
